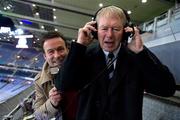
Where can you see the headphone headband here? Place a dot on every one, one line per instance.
(124, 12)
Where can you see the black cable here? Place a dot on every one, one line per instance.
(98, 76)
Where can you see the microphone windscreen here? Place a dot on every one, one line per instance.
(54, 70)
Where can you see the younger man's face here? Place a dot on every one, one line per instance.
(55, 51)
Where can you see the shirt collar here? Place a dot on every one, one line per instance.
(114, 52)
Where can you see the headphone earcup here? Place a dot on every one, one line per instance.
(94, 34)
(125, 37)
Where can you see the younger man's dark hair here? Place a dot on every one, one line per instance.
(49, 35)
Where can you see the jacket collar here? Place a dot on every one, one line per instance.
(45, 75)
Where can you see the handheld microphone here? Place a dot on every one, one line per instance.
(54, 71)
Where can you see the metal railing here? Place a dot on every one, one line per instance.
(166, 20)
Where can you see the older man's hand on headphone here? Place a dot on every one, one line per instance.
(136, 44)
(85, 34)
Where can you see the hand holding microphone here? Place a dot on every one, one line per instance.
(55, 97)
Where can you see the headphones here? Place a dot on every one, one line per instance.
(126, 35)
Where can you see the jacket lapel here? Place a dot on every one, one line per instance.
(100, 68)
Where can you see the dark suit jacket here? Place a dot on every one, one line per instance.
(122, 97)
